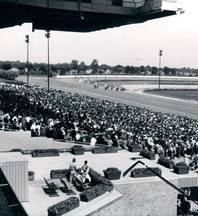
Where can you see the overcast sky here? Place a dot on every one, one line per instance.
(137, 44)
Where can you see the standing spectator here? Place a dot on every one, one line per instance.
(62, 133)
(72, 170)
(73, 134)
(185, 206)
(78, 136)
(93, 141)
(33, 129)
(6, 120)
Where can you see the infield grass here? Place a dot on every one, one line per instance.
(186, 94)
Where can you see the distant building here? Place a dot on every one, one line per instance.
(89, 71)
(14, 69)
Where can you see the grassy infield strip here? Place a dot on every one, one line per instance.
(186, 94)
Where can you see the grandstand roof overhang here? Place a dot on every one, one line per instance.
(79, 15)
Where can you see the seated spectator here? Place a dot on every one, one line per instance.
(6, 120)
(85, 172)
(1, 119)
(109, 142)
(73, 134)
(28, 122)
(43, 130)
(38, 129)
(68, 136)
(61, 133)
(49, 132)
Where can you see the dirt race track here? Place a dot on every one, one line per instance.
(155, 103)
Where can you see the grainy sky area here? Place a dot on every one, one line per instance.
(137, 44)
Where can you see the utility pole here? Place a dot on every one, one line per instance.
(159, 72)
(47, 35)
(27, 40)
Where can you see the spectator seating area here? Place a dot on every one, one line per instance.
(80, 118)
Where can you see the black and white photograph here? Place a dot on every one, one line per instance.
(98, 108)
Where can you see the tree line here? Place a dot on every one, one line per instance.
(11, 69)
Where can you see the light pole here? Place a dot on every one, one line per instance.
(47, 35)
(105, 80)
(27, 40)
(160, 55)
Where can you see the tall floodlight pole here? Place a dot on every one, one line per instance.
(27, 40)
(105, 79)
(47, 35)
(160, 56)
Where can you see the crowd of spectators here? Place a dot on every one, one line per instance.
(67, 115)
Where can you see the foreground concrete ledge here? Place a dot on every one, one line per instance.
(39, 202)
(96, 204)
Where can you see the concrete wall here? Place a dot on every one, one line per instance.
(15, 168)
(154, 198)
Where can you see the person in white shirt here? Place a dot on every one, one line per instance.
(78, 136)
(33, 126)
(85, 172)
(93, 141)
